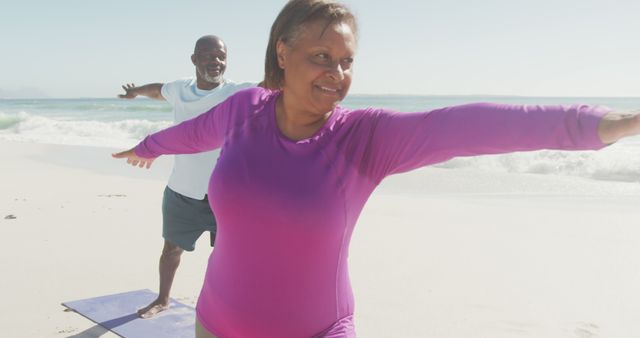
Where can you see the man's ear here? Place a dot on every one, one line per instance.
(193, 59)
(281, 49)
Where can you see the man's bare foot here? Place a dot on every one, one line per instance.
(153, 309)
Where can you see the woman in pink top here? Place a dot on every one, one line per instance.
(296, 169)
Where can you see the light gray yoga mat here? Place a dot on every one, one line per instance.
(117, 313)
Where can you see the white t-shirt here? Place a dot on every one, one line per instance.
(191, 173)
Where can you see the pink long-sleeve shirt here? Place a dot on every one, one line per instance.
(286, 209)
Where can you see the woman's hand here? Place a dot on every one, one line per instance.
(134, 159)
(615, 126)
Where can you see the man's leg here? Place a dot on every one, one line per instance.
(184, 219)
(169, 262)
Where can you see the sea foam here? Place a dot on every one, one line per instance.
(618, 162)
(114, 134)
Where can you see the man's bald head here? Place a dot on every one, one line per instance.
(210, 58)
(209, 41)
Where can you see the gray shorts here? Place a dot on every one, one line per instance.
(184, 219)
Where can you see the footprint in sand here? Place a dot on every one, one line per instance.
(586, 330)
(518, 327)
(68, 330)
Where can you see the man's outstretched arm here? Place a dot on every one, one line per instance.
(151, 90)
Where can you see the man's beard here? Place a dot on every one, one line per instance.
(210, 78)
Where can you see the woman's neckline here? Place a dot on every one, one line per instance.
(307, 140)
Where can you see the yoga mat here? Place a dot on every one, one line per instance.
(117, 313)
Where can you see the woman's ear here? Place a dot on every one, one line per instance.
(281, 49)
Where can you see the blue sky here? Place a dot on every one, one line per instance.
(72, 48)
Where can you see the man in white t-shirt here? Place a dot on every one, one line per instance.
(185, 210)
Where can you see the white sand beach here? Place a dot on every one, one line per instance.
(437, 253)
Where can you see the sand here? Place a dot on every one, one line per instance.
(436, 253)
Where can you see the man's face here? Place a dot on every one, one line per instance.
(210, 59)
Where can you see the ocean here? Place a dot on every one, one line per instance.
(120, 124)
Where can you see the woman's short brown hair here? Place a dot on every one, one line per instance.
(291, 20)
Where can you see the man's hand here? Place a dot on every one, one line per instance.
(151, 90)
(134, 159)
(130, 91)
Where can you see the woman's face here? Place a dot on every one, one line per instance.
(317, 66)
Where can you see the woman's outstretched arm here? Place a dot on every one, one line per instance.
(399, 142)
(202, 133)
